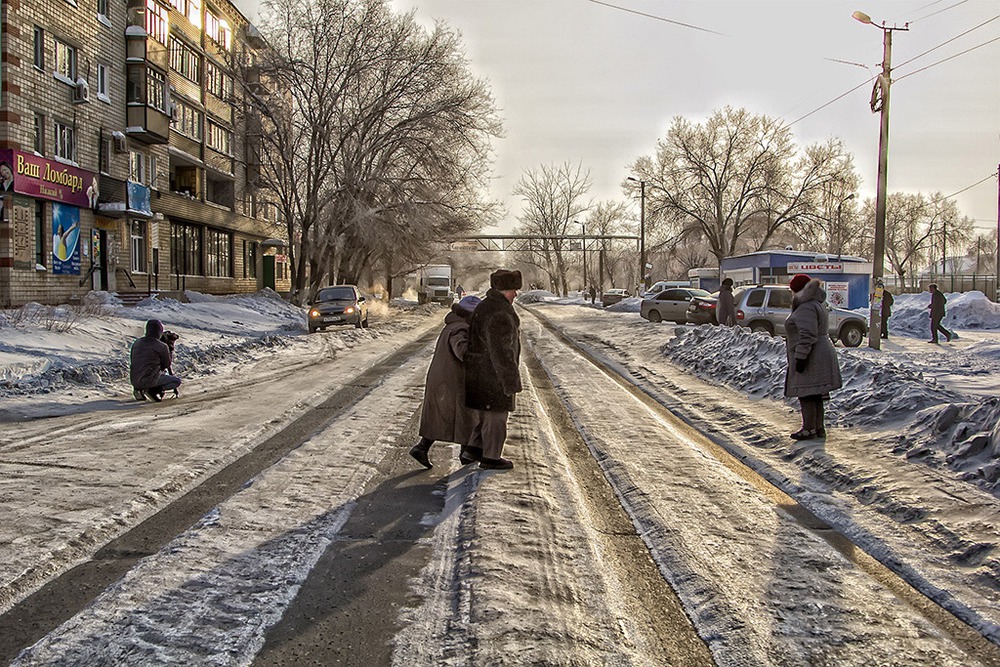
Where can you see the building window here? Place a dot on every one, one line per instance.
(40, 234)
(65, 61)
(139, 245)
(218, 253)
(102, 82)
(156, 21)
(219, 30)
(65, 142)
(153, 173)
(39, 136)
(102, 9)
(188, 120)
(250, 252)
(185, 249)
(184, 60)
(39, 58)
(191, 9)
(218, 82)
(156, 90)
(105, 156)
(137, 167)
(219, 138)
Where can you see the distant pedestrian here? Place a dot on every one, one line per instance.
(886, 311)
(593, 295)
(459, 291)
(149, 359)
(444, 415)
(492, 378)
(813, 369)
(725, 310)
(938, 300)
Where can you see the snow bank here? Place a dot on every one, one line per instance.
(931, 423)
(965, 310)
(629, 305)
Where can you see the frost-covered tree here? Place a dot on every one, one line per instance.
(736, 179)
(553, 199)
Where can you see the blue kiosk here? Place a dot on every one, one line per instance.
(848, 279)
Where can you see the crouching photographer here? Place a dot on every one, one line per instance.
(150, 363)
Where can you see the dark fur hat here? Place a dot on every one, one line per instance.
(502, 280)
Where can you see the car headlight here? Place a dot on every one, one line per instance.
(348, 310)
(313, 313)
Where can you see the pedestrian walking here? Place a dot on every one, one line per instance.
(149, 360)
(886, 311)
(938, 301)
(444, 415)
(813, 369)
(593, 295)
(492, 378)
(725, 309)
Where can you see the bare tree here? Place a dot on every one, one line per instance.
(553, 198)
(612, 218)
(734, 174)
(376, 137)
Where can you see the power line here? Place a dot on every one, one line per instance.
(962, 53)
(658, 18)
(955, 194)
(940, 11)
(948, 42)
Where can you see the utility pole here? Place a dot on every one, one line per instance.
(880, 102)
(643, 279)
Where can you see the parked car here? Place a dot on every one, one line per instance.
(701, 310)
(338, 304)
(766, 307)
(661, 285)
(670, 304)
(613, 296)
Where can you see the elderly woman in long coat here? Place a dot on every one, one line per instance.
(813, 369)
(725, 308)
(444, 415)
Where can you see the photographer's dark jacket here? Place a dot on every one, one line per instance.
(491, 362)
(148, 358)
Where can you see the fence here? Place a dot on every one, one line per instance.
(953, 283)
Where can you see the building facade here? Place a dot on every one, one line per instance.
(123, 152)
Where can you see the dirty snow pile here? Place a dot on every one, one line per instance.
(926, 420)
(49, 348)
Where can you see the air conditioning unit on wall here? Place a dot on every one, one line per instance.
(81, 91)
(119, 143)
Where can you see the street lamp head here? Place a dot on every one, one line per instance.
(861, 16)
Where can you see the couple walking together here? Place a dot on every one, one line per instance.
(474, 376)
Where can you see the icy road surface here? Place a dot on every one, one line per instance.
(522, 566)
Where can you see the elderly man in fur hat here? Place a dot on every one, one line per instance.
(491, 369)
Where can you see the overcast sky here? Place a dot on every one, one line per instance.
(582, 81)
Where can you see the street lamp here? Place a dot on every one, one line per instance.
(643, 277)
(840, 227)
(880, 102)
(584, 246)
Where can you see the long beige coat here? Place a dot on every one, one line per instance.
(444, 415)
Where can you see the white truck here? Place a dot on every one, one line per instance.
(435, 284)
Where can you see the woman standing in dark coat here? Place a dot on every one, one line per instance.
(444, 415)
(813, 369)
(725, 309)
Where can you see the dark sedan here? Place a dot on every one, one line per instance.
(338, 304)
(701, 310)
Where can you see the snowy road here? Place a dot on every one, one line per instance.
(619, 524)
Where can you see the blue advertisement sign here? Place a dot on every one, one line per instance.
(138, 198)
(65, 239)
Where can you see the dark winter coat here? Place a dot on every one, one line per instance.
(808, 337)
(491, 362)
(444, 415)
(886, 304)
(148, 358)
(938, 300)
(725, 309)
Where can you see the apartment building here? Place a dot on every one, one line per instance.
(123, 152)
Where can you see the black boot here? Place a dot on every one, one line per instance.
(419, 452)
(469, 455)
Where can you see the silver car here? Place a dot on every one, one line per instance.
(766, 307)
(669, 304)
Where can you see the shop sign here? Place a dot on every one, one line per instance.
(818, 267)
(38, 177)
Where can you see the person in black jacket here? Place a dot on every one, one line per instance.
(149, 359)
(886, 312)
(492, 378)
(938, 300)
